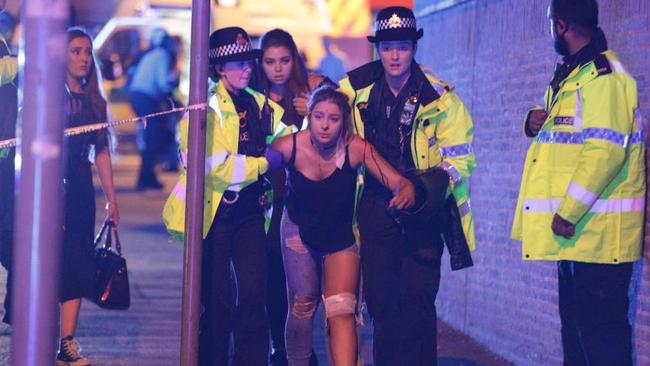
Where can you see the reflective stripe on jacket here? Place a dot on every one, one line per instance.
(442, 137)
(225, 169)
(587, 164)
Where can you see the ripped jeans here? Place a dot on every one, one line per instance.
(303, 267)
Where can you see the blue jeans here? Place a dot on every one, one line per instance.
(303, 267)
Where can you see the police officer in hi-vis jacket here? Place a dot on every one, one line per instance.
(582, 197)
(421, 127)
(240, 123)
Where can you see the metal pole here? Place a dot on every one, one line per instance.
(40, 184)
(195, 183)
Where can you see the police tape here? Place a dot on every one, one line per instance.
(104, 125)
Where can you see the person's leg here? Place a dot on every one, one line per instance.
(8, 298)
(341, 273)
(216, 296)
(573, 353)
(153, 136)
(303, 293)
(250, 327)
(6, 258)
(419, 286)
(69, 317)
(143, 105)
(381, 262)
(277, 289)
(69, 350)
(602, 303)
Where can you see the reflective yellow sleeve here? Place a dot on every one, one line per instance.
(225, 168)
(606, 124)
(454, 135)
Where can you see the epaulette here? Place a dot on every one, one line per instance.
(365, 75)
(428, 91)
(439, 85)
(602, 65)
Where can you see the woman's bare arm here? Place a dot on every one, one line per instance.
(105, 173)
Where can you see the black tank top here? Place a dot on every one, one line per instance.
(322, 209)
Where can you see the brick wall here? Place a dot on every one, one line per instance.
(499, 55)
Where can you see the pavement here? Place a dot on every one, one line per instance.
(148, 334)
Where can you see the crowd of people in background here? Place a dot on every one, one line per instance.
(341, 188)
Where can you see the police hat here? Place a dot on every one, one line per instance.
(395, 23)
(231, 44)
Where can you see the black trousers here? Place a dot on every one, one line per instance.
(401, 281)
(277, 305)
(240, 242)
(594, 312)
(6, 259)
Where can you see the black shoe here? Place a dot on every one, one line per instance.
(70, 353)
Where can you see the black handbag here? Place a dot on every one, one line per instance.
(111, 282)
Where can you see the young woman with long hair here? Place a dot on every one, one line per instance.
(84, 105)
(285, 80)
(318, 245)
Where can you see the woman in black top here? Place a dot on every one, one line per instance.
(285, 80)
(316, 227)
(84, 105)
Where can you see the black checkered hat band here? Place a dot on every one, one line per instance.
(392, 23)
(230, 49)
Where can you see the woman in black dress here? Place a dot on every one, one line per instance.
(84, 105)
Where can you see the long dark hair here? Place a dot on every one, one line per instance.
(298, 81)
(91, 85)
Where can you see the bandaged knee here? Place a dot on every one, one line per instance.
(340, 304)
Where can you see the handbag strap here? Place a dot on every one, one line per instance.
(108, 243)
(118, 244)
(100, 235)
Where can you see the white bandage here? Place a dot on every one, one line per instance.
(340, 304)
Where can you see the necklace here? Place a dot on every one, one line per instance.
(322, 152)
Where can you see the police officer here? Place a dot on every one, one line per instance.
(582, 193)
(416, 122)
(240, 122)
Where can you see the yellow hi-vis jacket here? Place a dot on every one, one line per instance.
(587, 164)
(225, 169)
(442, 131)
